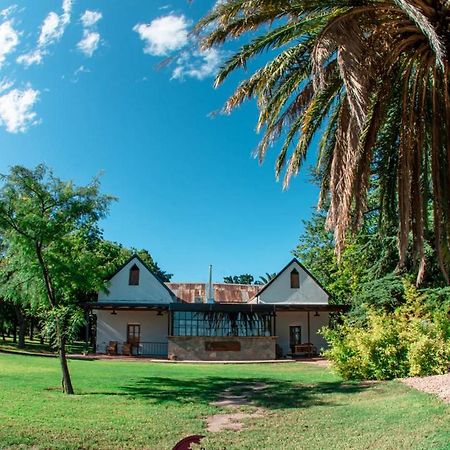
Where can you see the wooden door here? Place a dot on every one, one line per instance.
(133, 333)
(295, 336)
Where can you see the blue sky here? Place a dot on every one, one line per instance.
(81, 90)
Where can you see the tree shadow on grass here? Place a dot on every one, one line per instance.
(275, 395)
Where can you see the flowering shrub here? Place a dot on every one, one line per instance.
(411, 341)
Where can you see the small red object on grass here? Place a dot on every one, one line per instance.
(185, 443)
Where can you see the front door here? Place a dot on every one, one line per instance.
(133, 334)
(295, 336)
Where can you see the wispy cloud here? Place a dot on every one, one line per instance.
(31, 58)
(89, 43)
(6, 12)
(9, 39)
(90, 18)
(91, 38)
(198, 64)
(16, 107)
(169, 36)
(164, 34)
(52, 30)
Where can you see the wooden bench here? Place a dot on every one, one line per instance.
(307, 348)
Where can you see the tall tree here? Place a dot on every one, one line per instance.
(372, 77)
(46, 226)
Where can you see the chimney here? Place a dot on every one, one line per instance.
(210, 288)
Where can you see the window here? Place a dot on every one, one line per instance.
(191, 323)
(134, 276)
(295, 279)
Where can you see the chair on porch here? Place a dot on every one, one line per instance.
(111, 348)
(126, 349)
(134, 343)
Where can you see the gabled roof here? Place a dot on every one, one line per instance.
(136, 256)
(293, 260)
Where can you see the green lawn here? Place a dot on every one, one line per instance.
(152, 405)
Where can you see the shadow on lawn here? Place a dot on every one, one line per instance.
(276, 395)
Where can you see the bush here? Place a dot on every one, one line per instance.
(411, 341)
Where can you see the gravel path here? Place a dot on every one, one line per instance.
(436, 384)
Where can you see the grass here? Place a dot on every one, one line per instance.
(122, 405)
(35, 346)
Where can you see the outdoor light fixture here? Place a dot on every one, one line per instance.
(316, 314)
(114, 312)
(159, 313)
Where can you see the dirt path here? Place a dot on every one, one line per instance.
(233, 401)
(436, 384)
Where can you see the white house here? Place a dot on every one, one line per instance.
(243, 322)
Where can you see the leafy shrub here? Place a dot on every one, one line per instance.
(411, 341)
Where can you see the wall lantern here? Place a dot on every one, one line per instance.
(316, 314)
(114, 312)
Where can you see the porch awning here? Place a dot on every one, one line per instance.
(311, 307)
(219, 307)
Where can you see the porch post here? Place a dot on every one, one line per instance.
(86, 331)
(274, 321)
(309, 329)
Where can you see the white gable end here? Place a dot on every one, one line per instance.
(280, 291)
(148, 290)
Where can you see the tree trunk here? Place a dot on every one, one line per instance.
(31, 329)
(22, 326)
(15, 331)
(66, 381)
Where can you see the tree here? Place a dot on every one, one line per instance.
(47, 227)
(372, 78)
(113, 255)
(264, 279)
(245, 278)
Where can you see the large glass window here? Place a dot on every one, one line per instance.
(191, 323)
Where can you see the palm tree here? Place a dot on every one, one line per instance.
(371, 76)
(264, 279)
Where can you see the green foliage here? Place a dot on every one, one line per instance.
(49, 235)
(413, 340)
(245, 278)
(113, 255)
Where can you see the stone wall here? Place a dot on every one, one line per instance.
(216, 348)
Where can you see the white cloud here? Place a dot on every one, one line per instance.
(52, 30)
(34, 57)
(9, 38)
(5, 84)
(90, 18)
(16, 109)
(89, 43)
(199, 64)
(6, 12)
(164, 35)
(91, 38)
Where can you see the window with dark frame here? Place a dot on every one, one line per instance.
(134, 276)
(193, 323)
(295, 279)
